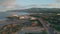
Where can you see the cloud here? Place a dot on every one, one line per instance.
(11, 5)
(51, 5)
(54, 5)
(7, 4)
(57, 0)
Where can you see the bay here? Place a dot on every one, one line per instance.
(3, 15)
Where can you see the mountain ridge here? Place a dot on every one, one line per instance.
(38, 10)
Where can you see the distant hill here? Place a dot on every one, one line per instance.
(31, 10)
(39, 10)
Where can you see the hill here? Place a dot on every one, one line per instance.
(39, 10)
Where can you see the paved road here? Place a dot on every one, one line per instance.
(49, 29)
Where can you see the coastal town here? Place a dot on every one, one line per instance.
(29, 16)
(29, 24)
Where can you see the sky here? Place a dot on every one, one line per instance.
(25, 4)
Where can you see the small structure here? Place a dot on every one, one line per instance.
(35, 23)
(33, 18)
(58, 14)
(13, 17)
(21, 17)
(24, 17)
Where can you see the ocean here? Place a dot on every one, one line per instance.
(3, 15)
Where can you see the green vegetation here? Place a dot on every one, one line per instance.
(54, 21)
(44, 32)
(57, 28)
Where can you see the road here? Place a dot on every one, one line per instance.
(44, 23)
